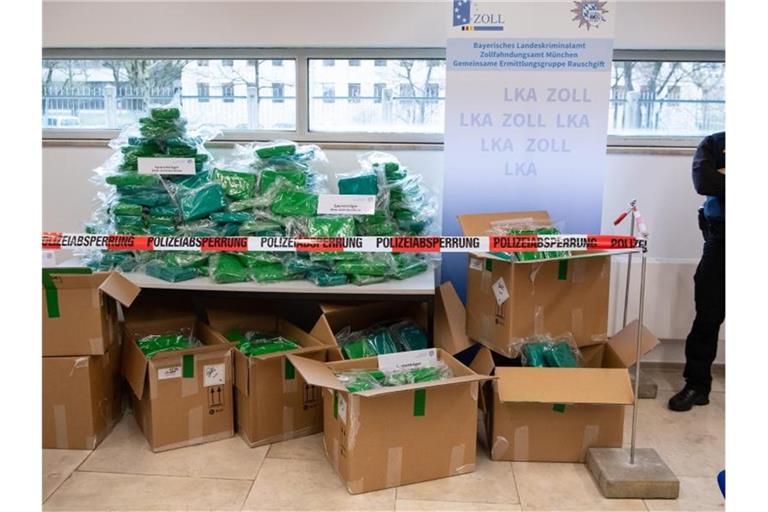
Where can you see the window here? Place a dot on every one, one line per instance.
(278, 92)
(666, 98)
(76, 92)
(408, 108)
(277, 63)
(203, 92)
(228, 93)
(433, 91)
(329, 62)
(378, 91)
(329, 93)
(354, 63)
(227, 63)
(353, 93)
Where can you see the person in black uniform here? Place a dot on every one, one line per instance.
(709, 281)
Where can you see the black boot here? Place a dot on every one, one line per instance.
(687, 398)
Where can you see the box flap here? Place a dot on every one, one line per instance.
(622, 351)
(134, 368)
(120, 288)
(450, 321)
(483, 362)
(316, 373)
(478, 224)
(423, 385)
(565, 385)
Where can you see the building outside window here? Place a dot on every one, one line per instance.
(329, 93)
(278, 92)
(329, 62)
(277, 62)
(380, 63)
(227, 63)
(353, 93)
(354, 63)
(228, 93)
(203, 92)
(378, 91)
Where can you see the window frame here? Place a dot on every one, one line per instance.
(302, 56)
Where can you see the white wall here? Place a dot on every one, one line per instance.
(693, 25)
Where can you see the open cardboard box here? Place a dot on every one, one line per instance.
(556, 414)
(449, 331)
(79, 319)
(273, 402)
(81, 399)
(394, 436)
(544, 297)
(180, 398)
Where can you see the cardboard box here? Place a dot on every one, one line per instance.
(361, 315)
(78, 317)
(555, 414)
(180, 398)
(81, 399)
(544, 297)
(396, 435)
(273, 402)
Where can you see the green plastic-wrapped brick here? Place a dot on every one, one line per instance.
(270, 271)
(129, 220)
(132, 179)
(381, 341)
(198, 203)
(185, 259)
(363, 184)
(408, 335)
(226, 268)
(237, 336)
(358, 348)
(331, 226)
(226, 217)
(126, 209)
(269, 175)
(362, 280)
(408, 265)
(161, 220)
(326, 278)
(267, 346)
(560, 355)
(165, 113)
(168, 273)
(300, 264)
(533, 354)
(236, 185)
(164, 211)
(154, 198)
(155, 343)
(367, 267)
(276, 150)
(261, 227)
(295, 203)
(161, 229)
(254, 259)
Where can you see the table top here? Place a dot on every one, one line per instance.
(420, 284)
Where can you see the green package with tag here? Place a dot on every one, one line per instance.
(168, 273)
(236, 185)
(186, 259)
(161, 220)
(408, 265)
(146, 198)
(331, 226)
(269, 346)
(126, 209)
(164, 211)
(267, 272)
(368, 267)
(295, 203)
(362, 184)
(235, 217)
(198, 203)
(261, 227)
(533, 354)
(161, 230)
(408, 335)
(358, 348)
(128, 220)
(226, 268)
(156, 343)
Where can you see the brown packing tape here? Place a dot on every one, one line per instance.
(486, 321)
(60, 425)
(288, 413)
(538, 320)
(353, 412)
(190, 385)
(577, 321)
(96, 344)
(521, 443)
(589, 439)
(394, 466)
(535, 268)
(499, 448)
(336, 450)
(578, 271)
(456, 464)
(195, 424)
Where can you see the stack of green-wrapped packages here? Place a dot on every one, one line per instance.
(547, 352)
(382, 339)
(267, 189)
(156, 343)
(527, 228)
(257, 343)
(364, 380)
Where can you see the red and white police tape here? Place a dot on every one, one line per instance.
(515, 243)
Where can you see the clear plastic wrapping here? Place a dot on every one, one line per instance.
(527, 227)
(364, 380)
(166, 342)
(549, 352)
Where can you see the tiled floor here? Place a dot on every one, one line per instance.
(123, 474)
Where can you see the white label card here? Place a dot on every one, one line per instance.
(408, 360)
(151, 165)
(172, 372)
(346, 204)
(500, 291)
(342, 408)
(475, 264)
(214, 374)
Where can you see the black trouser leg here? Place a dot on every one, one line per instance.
(709, 282)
